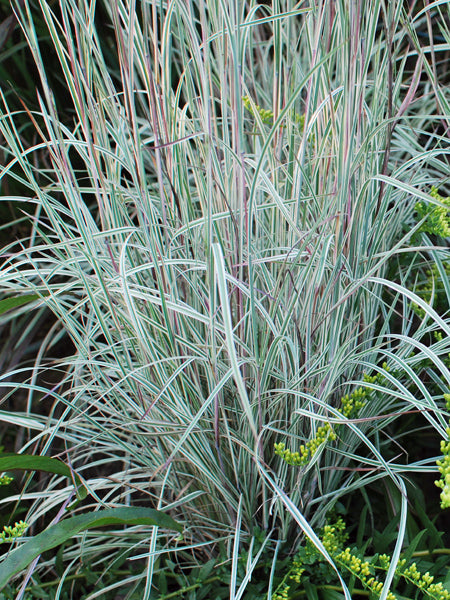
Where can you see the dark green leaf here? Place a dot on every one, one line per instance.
(311, 591)
(59, 533)
(9, 303)
(27, 462)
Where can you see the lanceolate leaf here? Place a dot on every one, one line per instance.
(59, 533)
(9, 303)
(26, 462)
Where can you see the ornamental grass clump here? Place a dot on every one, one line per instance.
(221, 208)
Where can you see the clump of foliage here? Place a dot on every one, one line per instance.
(436, 216)
(215, 206)
(310, 565)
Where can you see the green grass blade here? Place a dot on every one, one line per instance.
(220, 274)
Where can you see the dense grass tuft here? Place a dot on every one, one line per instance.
(224, 227)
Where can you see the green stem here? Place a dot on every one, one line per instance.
(189, 588)
(335, 588)
(431, 552)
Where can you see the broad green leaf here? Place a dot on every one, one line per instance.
(59, 533)
(9, 303)
(26, 462)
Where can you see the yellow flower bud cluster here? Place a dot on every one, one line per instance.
(334, 536)
(362, 569)
(385, 561)
(443, 464)
(265, 115)
(431, 285)
(5, 479)
(352, 403)
(437, 591)
(10, 533)
(356, 565)
(424, 582)
(306, 451)
(437, 223)
(437, 217)
(444, 469)
(282, 594)
(297, 570)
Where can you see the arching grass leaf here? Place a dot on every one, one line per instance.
(59, 533)
(26, 462)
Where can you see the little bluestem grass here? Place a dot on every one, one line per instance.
(214, 235)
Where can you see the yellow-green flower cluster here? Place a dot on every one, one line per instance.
(294, 574)
(362, 570)
(352, 403)
(385, 561)
(423, 581)
(282, 594)
(334, 536)
(297, 570)
(10, 533)
(426, 289)
(437, 217)
(5, 479)
(355, 564)
(437, 591)
(444, 469)
(306, 451)
(266, 115)
(443, 465)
